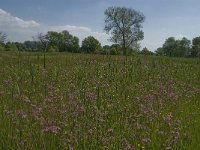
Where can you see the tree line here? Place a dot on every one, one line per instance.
(65, 42)
(180, 48)
(125, 27)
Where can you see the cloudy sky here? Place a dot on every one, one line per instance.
(24, 19)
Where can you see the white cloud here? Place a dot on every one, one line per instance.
(7, 20)
(18, 29)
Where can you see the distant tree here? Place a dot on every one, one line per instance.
(91, 45)
(145, 51)
(195, 47)
(184, 47)
(125, 26)
(44, 42)
(3, 37)
(53, 49)
(106, 49)
(71, 43)
(54, 39)
(20, 46)
(43, 39)
(32, 46)
(115, 49)
(176, 48)
(169, 46)
(64, 41)
(11, 47)
(160, 51)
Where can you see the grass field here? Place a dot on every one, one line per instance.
(91, 102)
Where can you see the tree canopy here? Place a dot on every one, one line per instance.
(195, 46)
(175, 48)
(91, 45)
(125, 26)
(59, 41)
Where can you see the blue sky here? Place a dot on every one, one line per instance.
(23, 19)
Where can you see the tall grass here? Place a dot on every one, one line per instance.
(98, 102)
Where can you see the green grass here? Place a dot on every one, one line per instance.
(98, 102)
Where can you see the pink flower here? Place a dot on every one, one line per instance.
(91, 96)
(52, 129)
(22, 114)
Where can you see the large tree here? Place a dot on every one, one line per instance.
(125, 26)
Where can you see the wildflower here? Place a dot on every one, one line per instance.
(52, 129)
(146, 140)
(37, 112)
(168, 118)
(110, 131)
(22, 143)
(90, 131)
(138, 125)
(91, 96)
(144, 109)
(8, 81)
(168, 148)
(22, 114)
(161, 133)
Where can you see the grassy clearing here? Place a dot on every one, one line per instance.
(98, 102)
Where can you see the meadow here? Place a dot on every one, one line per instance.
(94, 102)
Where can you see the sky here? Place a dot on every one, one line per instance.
(23, 19)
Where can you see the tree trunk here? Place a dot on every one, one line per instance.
(124, 44)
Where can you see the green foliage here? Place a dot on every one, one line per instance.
(64, 41)
(169, 47)
(195, 47)
(145, 51)
(98, 102)
(3, 37)
(160, 51)
(53, 49)
(20, 46)
(32, 46)
(114, 49)
(105, 49)
(11, 47)
(91, 45)
(70, 42)
(175, 48)
(2, 47)
(125, 26)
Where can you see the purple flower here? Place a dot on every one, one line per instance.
(21, 114)
(91, 96)
(52, 129)
(37, 112)
(144, 109)
(168, 118)
(8, 81)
